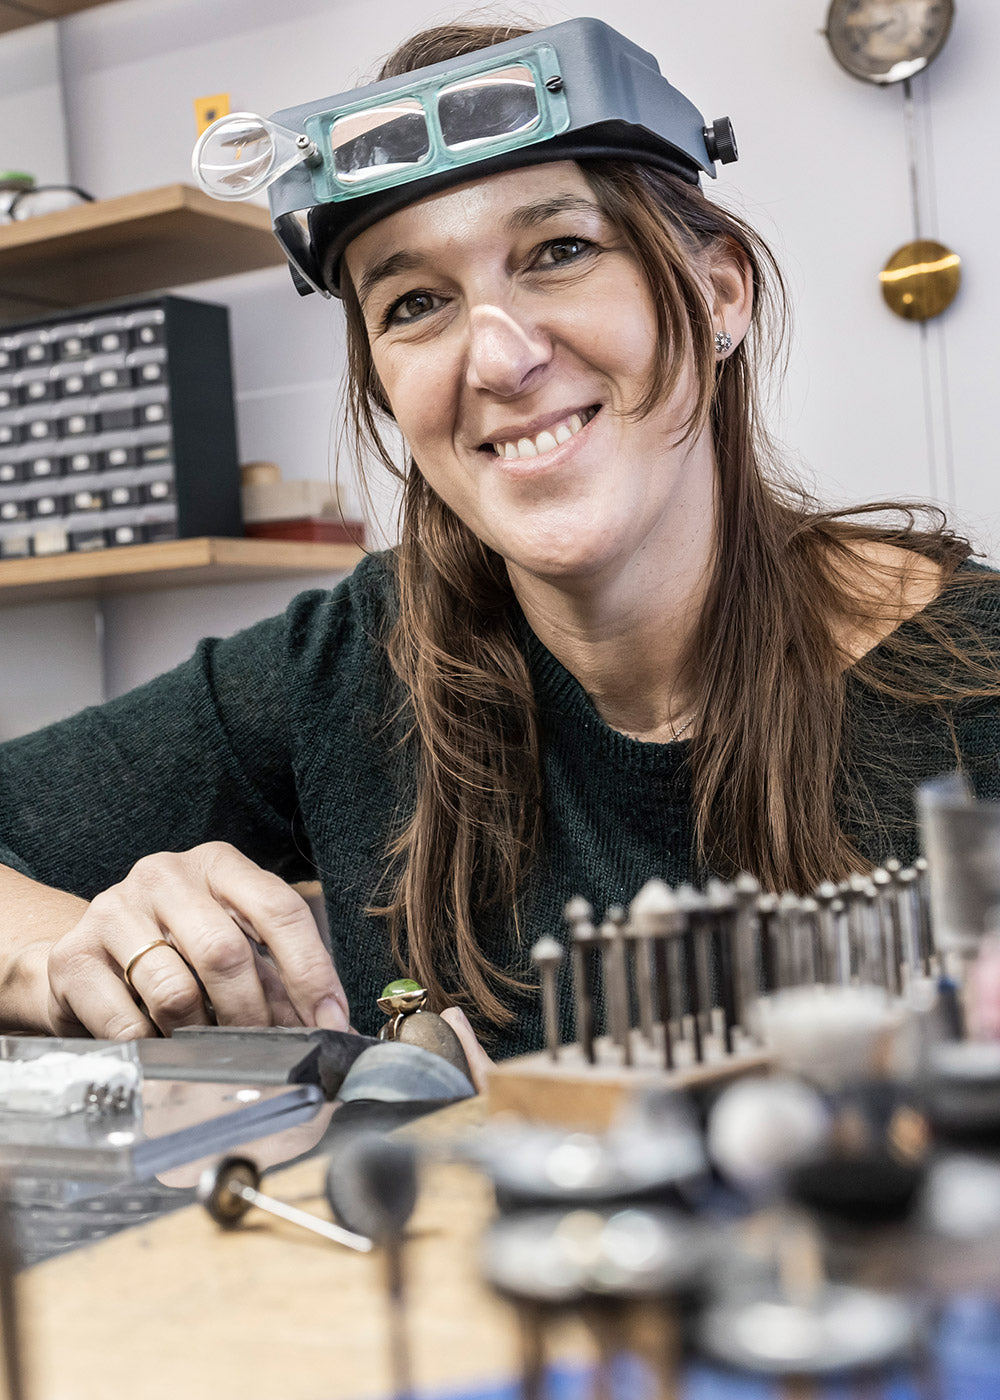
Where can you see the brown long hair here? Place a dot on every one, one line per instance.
(765, 661)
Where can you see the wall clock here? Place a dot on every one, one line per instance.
(887, 41)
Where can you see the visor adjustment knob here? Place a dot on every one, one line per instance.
(720, 141)
(555, 83)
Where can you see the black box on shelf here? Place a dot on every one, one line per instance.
(119, 421)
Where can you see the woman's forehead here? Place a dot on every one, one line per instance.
(482, 201)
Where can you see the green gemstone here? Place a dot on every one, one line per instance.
(401, 984)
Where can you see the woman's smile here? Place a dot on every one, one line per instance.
(541, 446)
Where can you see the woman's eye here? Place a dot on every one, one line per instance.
(410, 308)
(561, 250)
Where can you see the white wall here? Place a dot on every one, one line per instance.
(822, 174)
(31, 105)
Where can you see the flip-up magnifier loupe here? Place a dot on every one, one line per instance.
(241, 154)
(576, 91)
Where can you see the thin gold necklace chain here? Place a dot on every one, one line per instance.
(679, 733)
(675, 734)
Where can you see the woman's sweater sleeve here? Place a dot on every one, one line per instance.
(204, 752)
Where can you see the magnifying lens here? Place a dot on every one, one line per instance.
(239, 155)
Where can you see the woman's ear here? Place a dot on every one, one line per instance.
(730, 282)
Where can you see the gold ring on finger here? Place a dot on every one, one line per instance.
(141, 953)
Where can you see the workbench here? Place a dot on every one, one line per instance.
(177, 1309)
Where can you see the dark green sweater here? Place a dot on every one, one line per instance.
(276, 740)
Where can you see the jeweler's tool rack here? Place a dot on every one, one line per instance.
(676, 989)
(834, 1220)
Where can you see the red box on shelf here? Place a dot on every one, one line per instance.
(320, 528)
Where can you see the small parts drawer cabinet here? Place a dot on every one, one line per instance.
(117, 427)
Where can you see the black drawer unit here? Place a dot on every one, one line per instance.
(117, 427)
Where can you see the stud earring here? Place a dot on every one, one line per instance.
(723, 342)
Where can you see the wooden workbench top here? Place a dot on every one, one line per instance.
(181, 1310)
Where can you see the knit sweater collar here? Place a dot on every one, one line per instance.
(561, 697)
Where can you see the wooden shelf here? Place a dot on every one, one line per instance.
(169, 564)
(124, 247)
(15, 14)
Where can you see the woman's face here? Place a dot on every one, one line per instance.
(512, 331)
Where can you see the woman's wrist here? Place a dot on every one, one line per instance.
(34, 918)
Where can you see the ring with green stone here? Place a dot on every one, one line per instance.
(400, 998)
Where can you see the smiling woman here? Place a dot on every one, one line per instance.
(597, 326)
(615, 640)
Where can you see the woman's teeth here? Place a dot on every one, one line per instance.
(547, 440)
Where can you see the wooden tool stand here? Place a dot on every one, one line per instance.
(570, 1091)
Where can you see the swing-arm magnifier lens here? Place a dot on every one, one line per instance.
(239, 155)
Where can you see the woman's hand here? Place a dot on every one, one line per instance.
(201, 921)
(479, 1061)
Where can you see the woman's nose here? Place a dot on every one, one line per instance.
(504, 352)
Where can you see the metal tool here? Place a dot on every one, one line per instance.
(656, 916)
(828, 900)
(925, 932)
(851, 892)
(810, 943)
(615, 969)
(643, 975)
(890, 928)
(691, 904)
(579, 916)
(876, 965)
(744, 952)
(546, 955)
(228, 1190)
(904, 881)
(722, 910)
(373, 1181)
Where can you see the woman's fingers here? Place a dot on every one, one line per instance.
(278, 917)
(181, 903)
(479, 1062)
(200, 921)
(87, 992)
(283, 1013)
(165, 986)
(87, 975)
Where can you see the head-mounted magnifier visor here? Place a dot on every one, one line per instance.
(438, 124)
(576, 90)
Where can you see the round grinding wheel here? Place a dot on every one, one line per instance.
(828, 1034)
(870, 1189)
(393, 1072)
(561, 1257)
(760, 1128)
(643, 1157)
(371, 1185)
(961, 1092)
(838, 1331)
(220, 1186)
(525, 1257)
